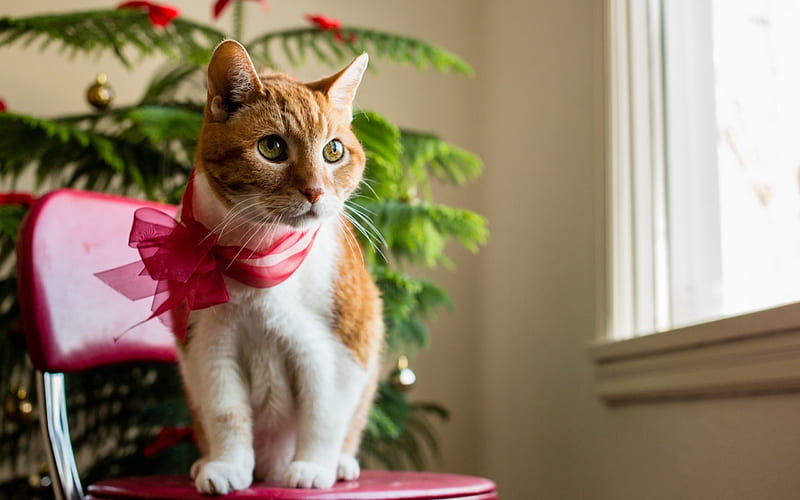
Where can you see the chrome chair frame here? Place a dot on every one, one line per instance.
(55, 432)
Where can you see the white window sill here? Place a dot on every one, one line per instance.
(754, 353)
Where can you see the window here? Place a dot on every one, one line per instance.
(704, 197)
(732, 118)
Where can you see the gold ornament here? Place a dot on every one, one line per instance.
(18, 406)
(403, 377)
(100, 94)
(41, 480)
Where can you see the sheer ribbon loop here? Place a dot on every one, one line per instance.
(182, 267)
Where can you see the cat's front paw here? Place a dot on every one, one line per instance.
(348, 468)
(196, 466)
(220, 478)
(308, 475)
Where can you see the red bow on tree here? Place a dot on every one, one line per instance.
(160, 15)
(323, 22)
(3, 107)
(326, 23)
(220, 5)
(166, 438)
(17, 198)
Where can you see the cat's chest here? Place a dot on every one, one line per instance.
(307, 294)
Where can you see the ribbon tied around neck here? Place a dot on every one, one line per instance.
(182, 266)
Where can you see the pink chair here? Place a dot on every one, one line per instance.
(71, 320)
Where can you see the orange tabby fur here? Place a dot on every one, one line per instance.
(303, 191)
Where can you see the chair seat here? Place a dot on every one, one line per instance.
(372, 485)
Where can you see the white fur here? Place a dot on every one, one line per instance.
(270, 356)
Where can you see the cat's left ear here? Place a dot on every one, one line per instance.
(232, 79)
(341, 88)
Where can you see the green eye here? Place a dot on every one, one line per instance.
(333, 151)
(272, 148)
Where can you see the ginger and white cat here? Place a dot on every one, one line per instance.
(280, 380)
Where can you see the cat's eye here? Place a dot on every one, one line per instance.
(272, 148)
(333, 151)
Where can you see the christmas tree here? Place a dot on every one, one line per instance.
(145, 150)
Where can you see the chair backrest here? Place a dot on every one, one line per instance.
(72, 320)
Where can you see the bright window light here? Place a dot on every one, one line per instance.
(705, 161)
(757, 87)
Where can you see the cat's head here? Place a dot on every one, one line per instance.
(277, 150)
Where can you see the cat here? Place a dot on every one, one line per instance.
(280, 380)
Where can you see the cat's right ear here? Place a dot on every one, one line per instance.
(232, 79)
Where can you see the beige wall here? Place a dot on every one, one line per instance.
(512, 363)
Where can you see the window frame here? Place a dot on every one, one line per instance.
(753, 353)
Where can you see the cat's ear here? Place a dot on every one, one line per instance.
(232, 79)
(341, 87)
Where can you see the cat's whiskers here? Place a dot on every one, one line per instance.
(358, 210)
(366, 234)
(245, 215)
(362, 207)
(271, 229)
(368, 183)
(370, 241)
(234, 213)
(253, 231)
(350, 238)
(241, 220)
(351, 216)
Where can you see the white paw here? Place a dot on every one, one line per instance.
(220, 478)
(348, 469)
(308, 475)
(196, 466)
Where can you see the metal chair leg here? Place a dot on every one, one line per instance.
(55, 431)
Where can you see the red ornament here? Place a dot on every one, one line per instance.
(323, 22)
(17, 198)
(160, 15)
(3, 107)
(326, 23)
(166, 438)
(221, 5)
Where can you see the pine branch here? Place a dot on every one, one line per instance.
(420, 430)
(165, 85)
(114, 413)
(161, 124)
(398, 433)
(407, 303)
(62, 151)
(381, 141)
(10, 220)
(426, 154)
(149, 147)
(336, 47)
(419, 231)
(123, 32)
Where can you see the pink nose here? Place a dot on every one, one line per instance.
(312, 193)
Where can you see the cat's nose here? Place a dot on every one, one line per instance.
(312, 194)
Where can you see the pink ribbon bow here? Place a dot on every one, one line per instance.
(182, 266)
